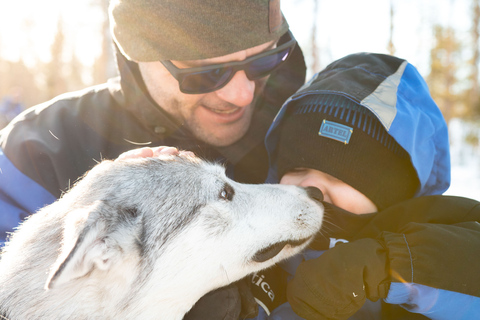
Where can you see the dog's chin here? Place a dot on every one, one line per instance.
(273, 250)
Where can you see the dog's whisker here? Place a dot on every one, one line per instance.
(138, 143)
(226, 273)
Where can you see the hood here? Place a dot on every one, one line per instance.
(392, 89)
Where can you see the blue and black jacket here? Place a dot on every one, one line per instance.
(443, 281)
(44, 150)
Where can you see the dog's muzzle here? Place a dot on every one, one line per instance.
(271, 251)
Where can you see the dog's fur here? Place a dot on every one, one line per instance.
(146, 238)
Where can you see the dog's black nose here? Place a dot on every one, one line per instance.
(314, 193)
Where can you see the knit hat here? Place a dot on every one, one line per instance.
(342, 138)
(146, 30)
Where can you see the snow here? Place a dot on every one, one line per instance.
(465, 160)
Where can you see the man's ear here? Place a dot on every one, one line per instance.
(88, 243)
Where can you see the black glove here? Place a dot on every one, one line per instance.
(336, 285)
(339, 224)
(232, 302)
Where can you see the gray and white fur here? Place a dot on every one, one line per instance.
(146, 238)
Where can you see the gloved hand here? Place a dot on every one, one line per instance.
(232, 302)
(340, 224)
(336, 285)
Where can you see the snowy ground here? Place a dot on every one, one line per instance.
(465, 181)
(465, 162)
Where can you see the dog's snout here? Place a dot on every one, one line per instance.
(314, 193)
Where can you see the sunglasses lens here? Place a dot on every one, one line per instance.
(215, 77)
(205, 81)
(263, 66)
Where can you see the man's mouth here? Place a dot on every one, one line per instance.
(221, 111)
(223, 115)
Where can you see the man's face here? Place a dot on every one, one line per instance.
(219, 118)
(334, 191)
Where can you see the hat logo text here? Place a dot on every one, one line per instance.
(335, 131)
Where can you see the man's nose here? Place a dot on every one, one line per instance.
(239, 91)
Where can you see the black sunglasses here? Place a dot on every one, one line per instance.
(213, 77)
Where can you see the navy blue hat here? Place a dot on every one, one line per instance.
(337, 136)
(368, 120)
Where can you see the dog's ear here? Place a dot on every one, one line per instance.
(89, 242)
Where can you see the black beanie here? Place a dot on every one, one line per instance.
(340, 137)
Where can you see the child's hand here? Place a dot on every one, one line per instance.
(336, 285)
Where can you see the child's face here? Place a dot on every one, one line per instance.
(334, 191)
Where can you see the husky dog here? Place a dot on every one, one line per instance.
(147, 238)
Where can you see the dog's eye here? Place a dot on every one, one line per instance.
(227, 192)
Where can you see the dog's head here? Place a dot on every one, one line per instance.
(179, 217)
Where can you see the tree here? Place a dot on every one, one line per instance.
(315, 54)
(54, 71)
(74, 74)
(104, 66)
(444, 64)
(473, 96)
(391, 46)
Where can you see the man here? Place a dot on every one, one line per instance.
(206, 76)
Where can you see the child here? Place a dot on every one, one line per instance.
(366, 132)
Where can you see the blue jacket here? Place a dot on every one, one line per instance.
(396, 93)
